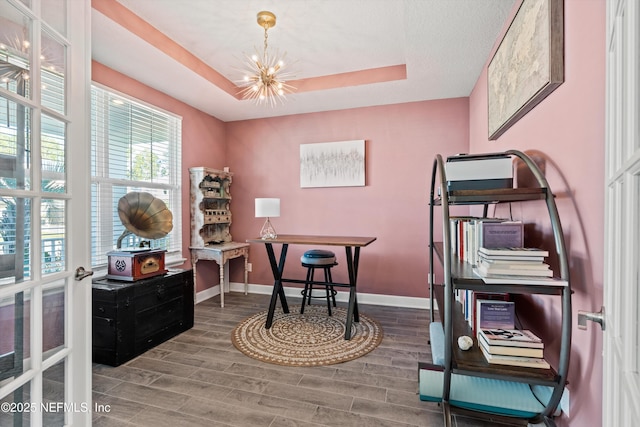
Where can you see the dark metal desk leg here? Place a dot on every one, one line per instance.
(278, 290)
(352, 311)
(356, 262)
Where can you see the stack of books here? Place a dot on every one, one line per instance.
(468, 234)
(515, 266)
(500, 341)
(513, 347)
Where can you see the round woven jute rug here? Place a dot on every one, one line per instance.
(309, 339)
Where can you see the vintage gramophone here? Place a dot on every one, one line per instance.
(147, 217)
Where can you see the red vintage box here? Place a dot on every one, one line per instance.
(136, 264)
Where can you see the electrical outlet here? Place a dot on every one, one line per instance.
(249, 267)
(564, 401)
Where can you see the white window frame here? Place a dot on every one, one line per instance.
(103, 217)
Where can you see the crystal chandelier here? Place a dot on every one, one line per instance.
(264, 81)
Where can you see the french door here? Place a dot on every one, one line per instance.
(621, 376)
(45, 304)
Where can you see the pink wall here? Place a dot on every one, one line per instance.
(567, 132)
(401, 142)
(203, 144)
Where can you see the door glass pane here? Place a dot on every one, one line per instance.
(53, 155)
(15, 44)
(14, 340)
(15, 145)
(53, 306)
(18, 399)
(53, 402)
(52, 57)
(15, 253)
(52, 212)
(52, 407)
(54, 13)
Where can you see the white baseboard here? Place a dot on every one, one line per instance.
(207, 293)
(343, 296)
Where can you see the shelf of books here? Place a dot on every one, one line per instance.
(473, 361)
(464, 277)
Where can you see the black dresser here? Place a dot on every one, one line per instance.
(129, 318)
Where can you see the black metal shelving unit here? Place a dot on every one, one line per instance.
(459, 275)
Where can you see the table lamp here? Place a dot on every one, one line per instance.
(266, 208)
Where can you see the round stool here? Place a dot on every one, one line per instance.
(318, 258)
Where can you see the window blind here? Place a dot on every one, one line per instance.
(134, 147)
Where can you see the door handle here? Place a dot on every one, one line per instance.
(81, 273)
(598, 317)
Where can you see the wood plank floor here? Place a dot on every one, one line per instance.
(199, 379)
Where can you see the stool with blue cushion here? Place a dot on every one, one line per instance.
(318, 258)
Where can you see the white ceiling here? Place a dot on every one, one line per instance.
(444, 44)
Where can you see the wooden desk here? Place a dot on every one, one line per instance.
(352, 247)
(221, 253)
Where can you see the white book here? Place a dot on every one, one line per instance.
(511, 337)
(520, 280)
(490, 270)
(505, 350)
(514, 251)
(518, 265)
(510, 258)
(526, 362)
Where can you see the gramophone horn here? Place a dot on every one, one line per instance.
(144, 215)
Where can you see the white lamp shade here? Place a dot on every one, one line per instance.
(267, 207)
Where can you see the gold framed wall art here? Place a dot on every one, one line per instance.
(528, 64)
